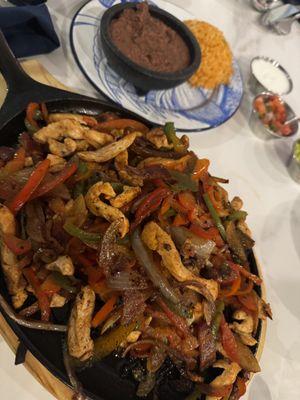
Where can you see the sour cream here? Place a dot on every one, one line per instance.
(271, 76)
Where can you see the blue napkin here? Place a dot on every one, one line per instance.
(27, 2)
(28, 30)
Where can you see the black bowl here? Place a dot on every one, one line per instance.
(142, 78)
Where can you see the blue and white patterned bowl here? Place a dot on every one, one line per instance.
(191, 109)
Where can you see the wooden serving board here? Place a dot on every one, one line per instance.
(52, 384)
(49, 382)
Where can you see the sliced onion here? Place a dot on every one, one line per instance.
(146, 386)
(126, 280)
(144, 148)
(134, 305)
(156, 358)
(112, 320)
(136, 344)
(60, 191)
(76, 384)
(12, 183)
(145, 258)
(38, 325)
(30, 310)
(35, 221)
(6, 153)
(209, 310)
(196, 246)
(107, 252)
(209, 304)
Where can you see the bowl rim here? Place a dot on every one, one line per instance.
(285, 104)
(182, 29)
(277, 65)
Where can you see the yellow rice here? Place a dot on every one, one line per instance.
(216, 63)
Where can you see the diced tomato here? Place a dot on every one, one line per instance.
(260, 108)
(259, 101)
(42, 297)
(286, 130)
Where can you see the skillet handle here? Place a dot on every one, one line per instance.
(16, 79)
(22, 89)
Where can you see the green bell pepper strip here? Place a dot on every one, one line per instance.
(170, 213)
(184, 182)
(217, 319)
(170, 132)
(106, 344)
(86, 237)
(215, 216)
(63, 281)
(79, 189)
(237, 215)
(30, 128)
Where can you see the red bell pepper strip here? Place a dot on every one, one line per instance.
(233, 289)
(228, 341)
(93, 272)
(239, 389)
(30, 187)
(104, 311)
(44, 111)
(210, 233)
(31, 110)
(16, 245)
(158, 182)
(61, 177)
(180, 220)
(245, 272)
(43, 300)
(149, 204)
(187, 200)
(49, 286)
(245, 289)
(249, 301)
(177, 321)
(122, 123)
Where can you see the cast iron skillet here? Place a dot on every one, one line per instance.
(106, 380)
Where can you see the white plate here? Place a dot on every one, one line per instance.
(191, 109)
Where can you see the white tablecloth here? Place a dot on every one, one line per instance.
(257, 172)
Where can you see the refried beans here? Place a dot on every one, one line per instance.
(148, 41)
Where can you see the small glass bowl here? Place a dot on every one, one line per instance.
(264, 5)
(262, 130)
(257, 87)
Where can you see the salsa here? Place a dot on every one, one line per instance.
(272, 113)
(148, 41)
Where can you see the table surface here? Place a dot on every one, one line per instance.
(258, 173)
